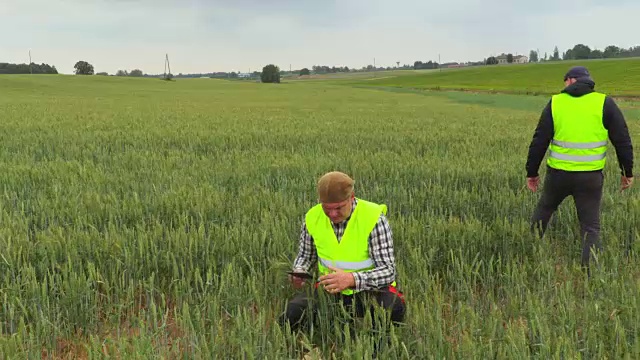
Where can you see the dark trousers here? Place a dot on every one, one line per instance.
(586, 189)
(306, 310)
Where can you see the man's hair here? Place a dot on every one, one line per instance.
(334, 187)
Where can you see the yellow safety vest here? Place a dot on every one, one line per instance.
(351, 253)
(580, 138)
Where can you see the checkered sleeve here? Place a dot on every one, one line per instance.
(381, 252)
(307, 255)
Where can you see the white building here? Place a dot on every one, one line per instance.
(520, 59)
(517, 59)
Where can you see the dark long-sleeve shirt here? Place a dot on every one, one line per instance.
(613, 121)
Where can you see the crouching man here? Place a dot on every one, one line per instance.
(351, 242)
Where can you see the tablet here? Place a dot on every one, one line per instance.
(300, 274)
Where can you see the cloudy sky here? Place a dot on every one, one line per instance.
(238, 35)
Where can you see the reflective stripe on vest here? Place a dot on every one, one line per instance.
(348, 265)
(580, 139)
(574, 145)
(577, 158)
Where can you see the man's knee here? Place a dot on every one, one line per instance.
(292, 315)
(295, 312)
(398, 311)
(395, 304)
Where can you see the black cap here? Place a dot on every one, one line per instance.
(578, 72)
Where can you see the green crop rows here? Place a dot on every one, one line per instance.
(151, 219)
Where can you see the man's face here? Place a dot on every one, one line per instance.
(338, 212)
(569, 81)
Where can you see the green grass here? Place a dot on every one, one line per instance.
(149, 219)
(620, 77)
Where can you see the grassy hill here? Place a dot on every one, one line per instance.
(620, 77)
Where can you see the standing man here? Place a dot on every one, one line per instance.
(351, 241)
(575, 126)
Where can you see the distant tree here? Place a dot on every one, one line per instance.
(136, 73)
(305, 71)
(83, 68)
(102, 74)
(427, 65)
(611, 51)
(596, 54)
(270, 74)
(630, 52)
(491, 60)
(509, 58)
(122, 73)
(580, 52)
(533, 56)
(556, 54)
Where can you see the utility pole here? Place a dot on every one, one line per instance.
(167, 66)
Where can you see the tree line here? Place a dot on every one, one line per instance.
(6, 68)
(84, 68)
(577, 52)
(584, 52)
(323, 69)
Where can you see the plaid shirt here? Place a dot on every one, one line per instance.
(380, 251)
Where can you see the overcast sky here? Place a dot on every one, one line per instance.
(238, 35)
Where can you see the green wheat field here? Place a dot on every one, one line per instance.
(619, 77)
(149, 219)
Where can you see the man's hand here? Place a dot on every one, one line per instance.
(337, 281)
(533, 182)
(626, 182)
